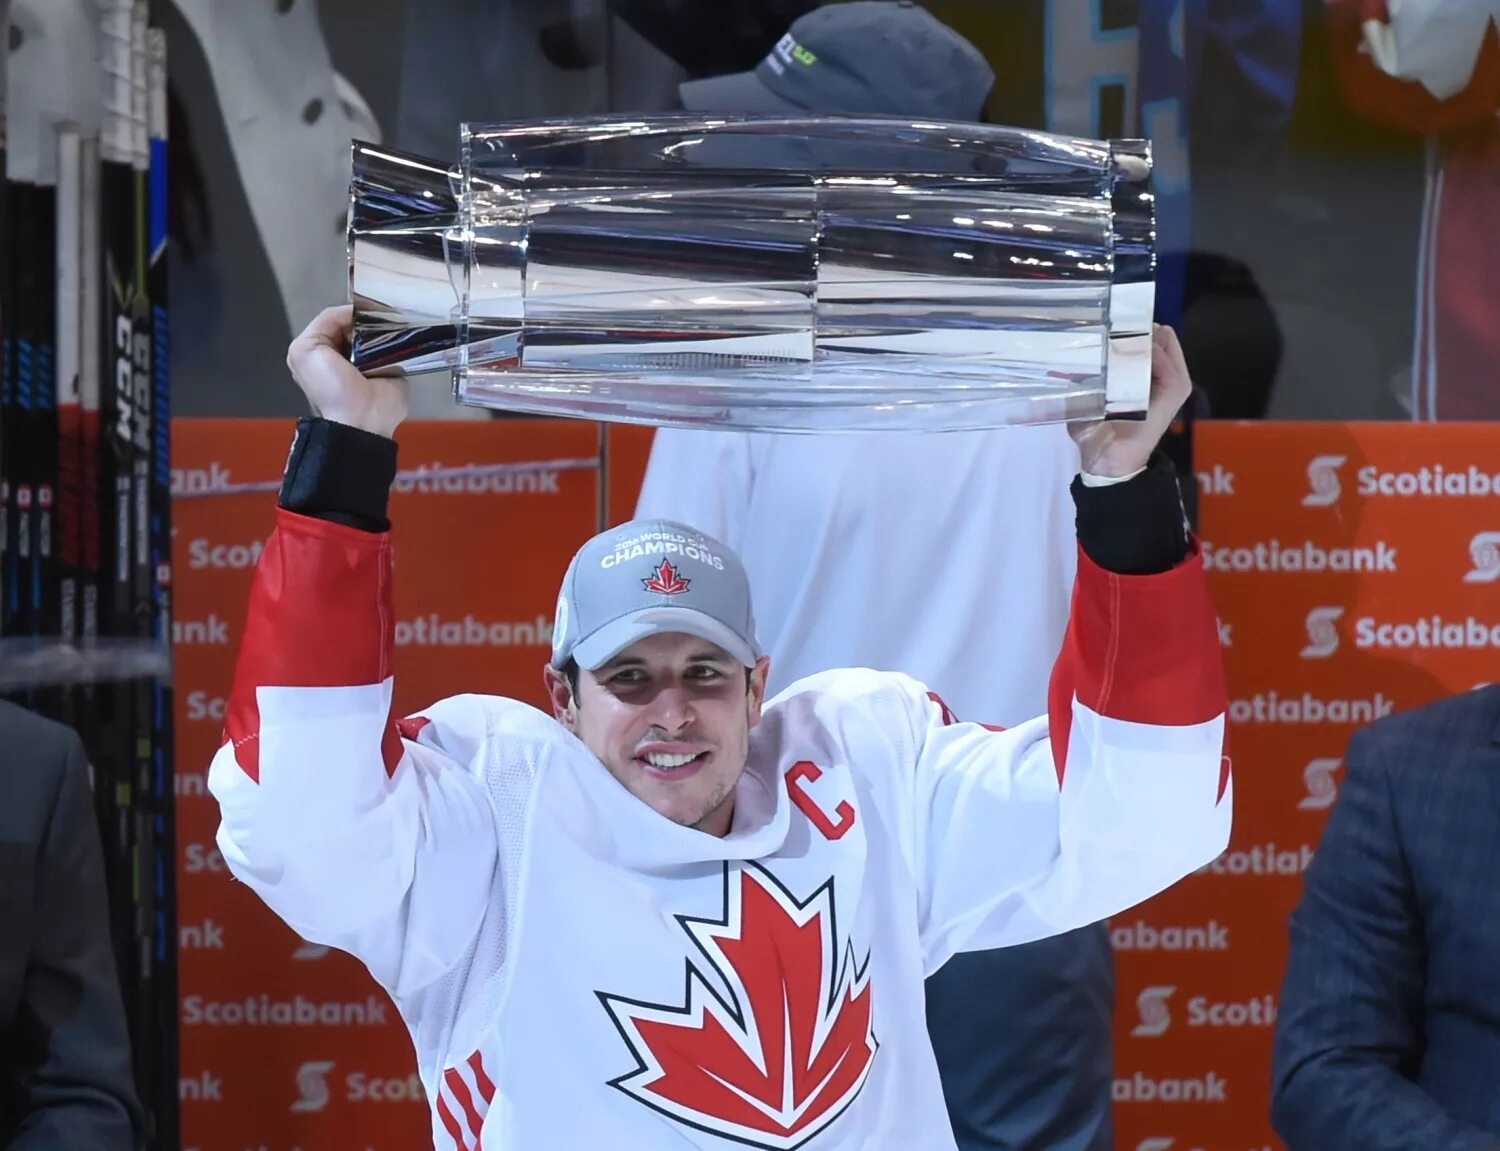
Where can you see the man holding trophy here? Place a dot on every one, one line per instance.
(681, 910)
(673, 913)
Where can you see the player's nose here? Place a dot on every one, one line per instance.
(671, 710)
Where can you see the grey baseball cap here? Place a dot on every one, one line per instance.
(866, 57)
(647, 577)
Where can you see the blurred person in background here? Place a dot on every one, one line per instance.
(1432, 68)
(1388, 1028)
(886, 551)
(65, 1070)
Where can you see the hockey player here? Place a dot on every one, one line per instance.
(669, 914)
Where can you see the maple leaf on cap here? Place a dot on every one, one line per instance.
(666, 580)
(790, 1049)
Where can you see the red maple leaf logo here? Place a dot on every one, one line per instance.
(666, 580)
(791, 1046)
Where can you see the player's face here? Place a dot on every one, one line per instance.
(670, 717)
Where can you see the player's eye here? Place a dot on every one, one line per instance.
(705, 673)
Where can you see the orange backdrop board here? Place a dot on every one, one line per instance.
(627, 450)
(1355, 570)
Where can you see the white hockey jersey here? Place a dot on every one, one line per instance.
(576, 971)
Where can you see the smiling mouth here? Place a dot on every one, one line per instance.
(661, 764)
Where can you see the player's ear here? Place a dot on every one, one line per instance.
(560, 694)
(755, 697)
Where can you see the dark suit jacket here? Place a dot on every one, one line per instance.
(65, 1069)
(1388, 1037)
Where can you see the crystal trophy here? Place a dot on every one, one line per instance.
(762, 273)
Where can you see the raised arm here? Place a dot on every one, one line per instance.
(1123, 788)
(354, 836)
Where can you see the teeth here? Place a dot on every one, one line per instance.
(657, 759)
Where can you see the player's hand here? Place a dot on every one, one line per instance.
(1119, 447)
(336, 389)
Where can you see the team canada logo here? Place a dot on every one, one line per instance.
(666, 580)
(791, 1045)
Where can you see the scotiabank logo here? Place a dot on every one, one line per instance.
(1269, 707)
(1322, 635)
(1484, 552)
(1151, 1004)
(1140, 1088)
(202, 707)
(1201, 1011)
(1262, 859)
(434, 631)
(1323, 485)
(362, 1088)
(1431, 633)
(312, 1086)
(190, 481)
(200, 857)
(1142, 936)
(205, 936)
(1428, 482)
(223, 557)
(190, 783)
(267, 1011)
(1322, 790)
(212, 631)
(478, 479)
(1257, 1012)
(314, 1093)
(1275, 556)
(1218, 482)
(205, 1087)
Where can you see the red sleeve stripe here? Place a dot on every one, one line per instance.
(456, 1097)
(450, 1124)
(1143, 649)
(949, 719)
(481, 1080)
(320, 615)
(460, 1091)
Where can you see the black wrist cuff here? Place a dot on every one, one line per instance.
(1138, 527)
(339, 473)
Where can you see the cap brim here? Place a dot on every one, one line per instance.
(736, 92)
(615, 636)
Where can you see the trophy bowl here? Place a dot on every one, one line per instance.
(765, 273)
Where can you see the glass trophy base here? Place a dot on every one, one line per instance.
(776, 406)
